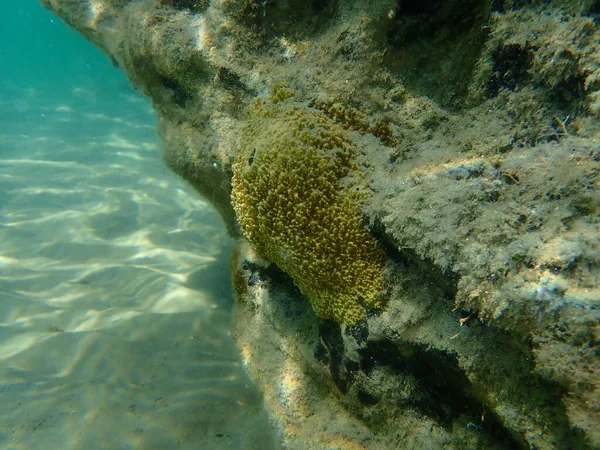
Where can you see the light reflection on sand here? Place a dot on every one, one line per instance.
(114, 291)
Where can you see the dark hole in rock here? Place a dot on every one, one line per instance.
(230, 78)
(342, 369)
(180, 94)
(365, 398)
(418, 7)
(511, 64)
(594, 11)
(444, 389)
(409, 260)
(570, 89)
(189, 5)
(498, 6)
(321, 5)
(415, 20)
(320, 353)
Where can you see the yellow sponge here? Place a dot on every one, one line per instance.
(297, 192)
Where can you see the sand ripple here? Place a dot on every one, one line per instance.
(114, 292)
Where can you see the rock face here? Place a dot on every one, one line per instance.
(463, 141)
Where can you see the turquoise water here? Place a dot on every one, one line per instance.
(39, 51)
(115, 299)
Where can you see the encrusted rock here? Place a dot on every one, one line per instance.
(471, 131)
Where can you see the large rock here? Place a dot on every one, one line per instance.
(467, 136)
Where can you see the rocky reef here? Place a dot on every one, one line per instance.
(415, 190)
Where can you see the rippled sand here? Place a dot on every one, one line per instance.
(114, 288)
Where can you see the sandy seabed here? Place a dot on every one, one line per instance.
(115, 299)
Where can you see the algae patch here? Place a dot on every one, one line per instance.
(297, 192)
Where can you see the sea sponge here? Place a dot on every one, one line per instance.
(297, 192)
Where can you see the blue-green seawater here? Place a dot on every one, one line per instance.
(115, 299)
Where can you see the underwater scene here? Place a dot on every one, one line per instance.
(115, 295)
(281, 224)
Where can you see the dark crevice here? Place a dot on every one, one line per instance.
(431, 274)
(342, 370)
(180, 94)
(498, 6)
(188, 5)
(318, 6)
(594, 11)
(365, 398)
(420, 20)
(570, 90)
(444, 389)
(274, 274)
(230, 79)
(272, 19)
(420, 34)
(511, 64)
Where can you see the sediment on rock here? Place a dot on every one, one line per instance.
(475, 132)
